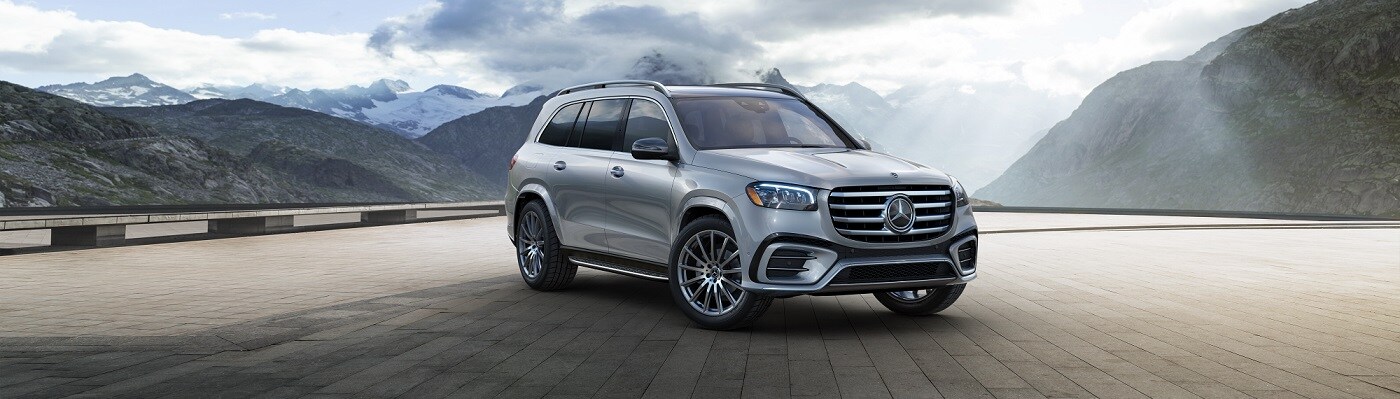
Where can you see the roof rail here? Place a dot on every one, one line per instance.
(765, 86)
(599, 85)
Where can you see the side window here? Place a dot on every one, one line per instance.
(556, 132)
(604, 119)
(646, 119)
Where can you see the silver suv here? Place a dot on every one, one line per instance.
(733, 194)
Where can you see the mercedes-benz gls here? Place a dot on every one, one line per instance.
(733, 194)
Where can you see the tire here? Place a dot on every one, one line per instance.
(923, 302)
(704, 283)
(542, 263)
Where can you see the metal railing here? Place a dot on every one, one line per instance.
(106, 226)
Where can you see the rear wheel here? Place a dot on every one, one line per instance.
(541, 262)
(921, 302)
(705, 275)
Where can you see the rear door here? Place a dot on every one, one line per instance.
(565, 173)
(577, 173)
(639, 191)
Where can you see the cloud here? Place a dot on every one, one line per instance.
(782, 19)
(1168, 32)
(61, 42)
(248, 15)
(538, 41)
(1055, 46)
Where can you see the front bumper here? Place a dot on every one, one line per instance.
(779, 262)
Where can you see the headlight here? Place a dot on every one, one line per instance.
(782, 196)
(959, 192)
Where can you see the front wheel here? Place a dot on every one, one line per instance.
(921, 302)
(705, 275)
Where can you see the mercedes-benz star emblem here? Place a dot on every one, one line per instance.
(899, 214)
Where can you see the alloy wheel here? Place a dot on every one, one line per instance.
(530, 244)
(709, 273)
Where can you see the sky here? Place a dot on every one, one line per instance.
(1059, 47)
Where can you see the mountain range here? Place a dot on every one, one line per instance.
(1300, 113)
(121, 91)
(58, 152)
(385, 103)
(1296, 114)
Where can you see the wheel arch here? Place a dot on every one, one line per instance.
(530, 192)
(699, 206)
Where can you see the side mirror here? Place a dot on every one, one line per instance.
(652, 148)
(863, 143)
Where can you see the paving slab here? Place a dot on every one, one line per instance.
(438, 310)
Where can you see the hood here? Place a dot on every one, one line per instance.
(819, 167)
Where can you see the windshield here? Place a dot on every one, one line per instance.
(747, 122)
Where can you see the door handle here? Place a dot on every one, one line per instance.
(617, 171)
(560, 165)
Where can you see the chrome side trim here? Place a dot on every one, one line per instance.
(608, 268)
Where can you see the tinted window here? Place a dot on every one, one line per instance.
(646, 119)
(743, 122)
(556, 132)
(603, 121)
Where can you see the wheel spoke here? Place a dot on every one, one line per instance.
(719, 252)
(714, 293)
(692, 254)
(732, 300)
(732, 256)
(693, 268)
(719, 299)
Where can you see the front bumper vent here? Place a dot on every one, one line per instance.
(857, 212)
(967, 256)
(894, 272)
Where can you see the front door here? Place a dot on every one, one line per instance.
(640, 191)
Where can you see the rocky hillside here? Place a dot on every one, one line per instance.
(486, 140)
(331, 156)
(58, 152)
(1300, 113)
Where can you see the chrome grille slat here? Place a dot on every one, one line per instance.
(889, 193)
(882, 206)
(877, 219)
(857, 212)
(883, 232)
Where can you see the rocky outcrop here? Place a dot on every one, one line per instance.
(354, 157)
(486, 140)
(26, 114)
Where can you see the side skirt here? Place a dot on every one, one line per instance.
(619, 265)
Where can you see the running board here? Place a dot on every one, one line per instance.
(627, 270)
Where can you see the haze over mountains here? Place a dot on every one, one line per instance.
(1300, 113)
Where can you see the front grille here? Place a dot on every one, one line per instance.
(858, 212)
(893, 272)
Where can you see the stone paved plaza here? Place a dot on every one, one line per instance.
(1065, 306)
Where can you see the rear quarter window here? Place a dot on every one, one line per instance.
(556, 132)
